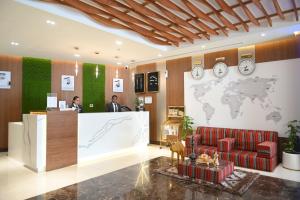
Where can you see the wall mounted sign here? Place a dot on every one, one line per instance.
(153, 81)
(67, 83)
(148, 100)
(139, 83)
(5, 79)
(117, 85)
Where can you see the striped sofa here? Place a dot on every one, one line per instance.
(254, 149)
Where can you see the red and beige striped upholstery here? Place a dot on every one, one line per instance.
(254, 149)
(210, 174)
(226, 144)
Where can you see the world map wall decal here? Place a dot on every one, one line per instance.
(256, 90)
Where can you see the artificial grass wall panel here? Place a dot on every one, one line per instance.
(93, 88)
(36, 83)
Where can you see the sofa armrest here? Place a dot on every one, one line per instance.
(226, 144)
(266, 149)
(188, 141)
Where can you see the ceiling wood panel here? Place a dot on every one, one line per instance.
(175, 22)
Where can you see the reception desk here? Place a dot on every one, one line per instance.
(49, 141)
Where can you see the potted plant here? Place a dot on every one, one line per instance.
(187, 128)
(291, 155)
(139, 105)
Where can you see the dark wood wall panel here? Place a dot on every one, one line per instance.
(10, 99)
(231, 58)
(60, 68)
(152, 108)
(287, 48)
(110, 74)
(175, 80)
(61, 148)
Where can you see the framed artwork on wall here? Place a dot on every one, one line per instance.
(67, 83)
(153, 81)
(139, 83)
(5, 79)
(117, 85)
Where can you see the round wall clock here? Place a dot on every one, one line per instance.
(197, 72)
(220, 69)
(246, 66)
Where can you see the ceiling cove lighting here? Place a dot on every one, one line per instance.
(14, 43)
(50, 22)
(76, 55)
(118, 42)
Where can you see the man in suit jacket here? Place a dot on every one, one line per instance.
(76, 106)
(113, 106)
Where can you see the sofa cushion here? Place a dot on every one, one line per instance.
(210, 135)
(226, 144)
(188, 140)
(210, 150)
(266, 149)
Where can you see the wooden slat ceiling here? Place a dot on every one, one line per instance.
(173, 22)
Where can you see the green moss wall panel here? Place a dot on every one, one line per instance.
(36, 83)
(93, 88)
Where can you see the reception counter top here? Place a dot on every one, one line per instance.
(98, 134)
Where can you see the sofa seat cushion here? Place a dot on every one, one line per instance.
(226, 144)
(266, 149)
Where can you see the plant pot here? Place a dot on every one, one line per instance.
(291, 160)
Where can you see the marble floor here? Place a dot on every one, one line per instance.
(18, 182)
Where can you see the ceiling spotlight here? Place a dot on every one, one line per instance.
(203, 47)
(50, 22)
(132, 61)
(76, 55)
(119, 63)
(159, 55)
(14, 43)
(262, 34)
(97, 52)
(118, 42)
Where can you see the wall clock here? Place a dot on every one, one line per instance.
(197, 72)
(246, 66)
(220, 69)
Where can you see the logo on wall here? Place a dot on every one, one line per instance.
(67, 83)
(5, 80)
(117, 85)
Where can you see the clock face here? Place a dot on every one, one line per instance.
(246, 66)
(220, 69)
(197, 72)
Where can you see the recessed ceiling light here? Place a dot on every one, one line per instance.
(14, 43)
(203, 46)
(159, 55)
(77, 55)
(97, 52)
(297, 33)
(118, 42)
(262, 34)
(50, 22)
(119, 63)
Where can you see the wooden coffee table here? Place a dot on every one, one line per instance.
(204, 172)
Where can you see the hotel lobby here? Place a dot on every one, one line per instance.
(149, 99)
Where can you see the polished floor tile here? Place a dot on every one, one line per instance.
(141, 182)
(18, 182)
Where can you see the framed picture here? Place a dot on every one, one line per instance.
(67, 83)
(153, 81)
(117, 85)
(139, 83)
(5, 79)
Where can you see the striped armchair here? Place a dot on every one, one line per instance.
(254, 149)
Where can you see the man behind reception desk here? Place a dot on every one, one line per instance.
(113, 106)
(76, 104)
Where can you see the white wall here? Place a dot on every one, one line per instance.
(283, 96)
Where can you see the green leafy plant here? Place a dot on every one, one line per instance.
(294, 128)
(187, 128)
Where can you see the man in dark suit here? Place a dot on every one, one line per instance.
(76, 104)
(113, 106)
